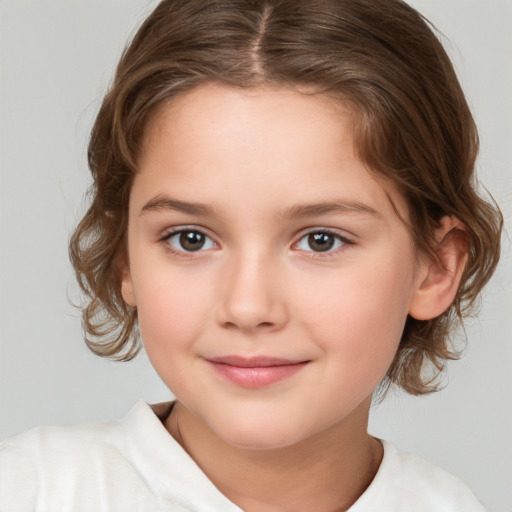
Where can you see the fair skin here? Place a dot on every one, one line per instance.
(272, 280)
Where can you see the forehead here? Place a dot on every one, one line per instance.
(261, 112)
(224, 141)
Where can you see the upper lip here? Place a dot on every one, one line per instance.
(254, 362)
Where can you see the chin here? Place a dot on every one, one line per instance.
(271, 434)
(259, 440)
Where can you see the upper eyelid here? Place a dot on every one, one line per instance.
(343, 234)
(347, 244)
(173, 231)
(168, 232)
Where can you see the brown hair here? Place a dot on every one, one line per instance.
(381, 57)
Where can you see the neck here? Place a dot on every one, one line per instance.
(326, 472)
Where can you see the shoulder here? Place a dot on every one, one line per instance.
(62, 462)
(131, 465)
(407, 482)
(60, 448)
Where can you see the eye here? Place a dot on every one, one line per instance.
(321, 241)
(189, 240)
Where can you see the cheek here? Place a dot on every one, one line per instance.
(171, 311)
(170, 320)
(359, 319)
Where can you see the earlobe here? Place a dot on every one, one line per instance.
(440, 279)
(127, 290)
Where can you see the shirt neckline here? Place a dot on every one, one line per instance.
(372, 494)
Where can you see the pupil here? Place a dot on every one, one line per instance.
(191, 240)
(321, 242)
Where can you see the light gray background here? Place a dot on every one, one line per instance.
(57, 57)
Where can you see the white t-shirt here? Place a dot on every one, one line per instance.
(135, 465)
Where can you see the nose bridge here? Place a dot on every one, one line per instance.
(252, 297)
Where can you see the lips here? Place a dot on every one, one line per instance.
(255, 372)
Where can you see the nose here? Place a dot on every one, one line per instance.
(252, 295)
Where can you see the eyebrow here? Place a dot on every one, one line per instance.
(163, 203)
(328, 207)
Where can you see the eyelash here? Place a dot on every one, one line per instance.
(345, 242)
(183, 253)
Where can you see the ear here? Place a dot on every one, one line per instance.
(127, 290)
(439, 280)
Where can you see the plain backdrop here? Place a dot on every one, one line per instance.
(57, 58)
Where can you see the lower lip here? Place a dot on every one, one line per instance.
(256, 377)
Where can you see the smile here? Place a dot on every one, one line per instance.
(255, 372)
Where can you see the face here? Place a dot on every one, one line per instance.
(271, 276)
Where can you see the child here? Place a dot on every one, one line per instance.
(283, 207)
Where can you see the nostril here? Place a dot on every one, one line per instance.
(251, 310)
(265, 324)
(247, 327)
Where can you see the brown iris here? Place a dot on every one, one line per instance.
(321, 242)
(192, 240)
